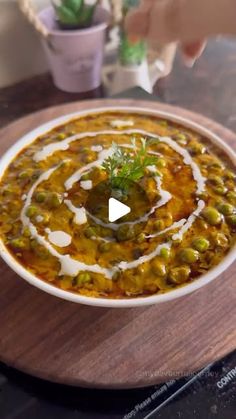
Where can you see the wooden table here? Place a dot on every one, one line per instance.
(208, 88)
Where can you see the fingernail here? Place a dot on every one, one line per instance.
(133, 39)
(189, 62)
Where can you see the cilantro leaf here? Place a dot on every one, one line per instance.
(124, 167)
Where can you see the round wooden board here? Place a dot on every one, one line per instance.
(113, 348)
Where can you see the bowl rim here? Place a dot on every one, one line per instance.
(32, 279)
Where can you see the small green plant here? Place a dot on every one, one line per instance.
(124, 167)
(74, 13)
(131, 53)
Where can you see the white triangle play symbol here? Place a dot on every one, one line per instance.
(117, 210)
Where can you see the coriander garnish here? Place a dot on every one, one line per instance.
(125, 166)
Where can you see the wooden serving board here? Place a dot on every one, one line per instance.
(113, 348)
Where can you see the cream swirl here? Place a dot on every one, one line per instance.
(72, 267)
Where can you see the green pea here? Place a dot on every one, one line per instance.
(71, 133)
(23, 175)
(161, 163)
(43, 253)
(89, 232)
(231, 196)
(215, 180)
(163, 123)
(201, 149)
(231, 220)
(226, 209)
(54, 200)
(39, 250)
(216, 165)
(46, 217)
(34, 244)
(220, 190)
(143, 269)
(104, 247)
(31, 211)
(88, 158)
(83, 278)
(158, 268)
(141, 238)
(61, 136)
(65, 164)
(40, 196)
(181, 138)
(165, 253)
(188, 255)
(159, 225)
(212, 216)
(179, 274)
(125, 233)
(26, 232)
(230, 175)
(197, 148)
(20, 243)
(201, 244)
(85, 177)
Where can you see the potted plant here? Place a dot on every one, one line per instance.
(136, 64)
(74, 33)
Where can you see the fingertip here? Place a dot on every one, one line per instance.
(129, 23)
(189, 62)
(194, 49)
(135, 25)
(133, 39)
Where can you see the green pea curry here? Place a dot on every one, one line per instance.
(184, 220)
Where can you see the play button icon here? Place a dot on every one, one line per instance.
(114, 213)
(117, 210)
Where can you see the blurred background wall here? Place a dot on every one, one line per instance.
(21, 55)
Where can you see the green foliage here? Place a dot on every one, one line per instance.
(75, 13)
(123, 167)
(130, 53)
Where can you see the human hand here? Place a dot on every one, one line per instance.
(186, 21)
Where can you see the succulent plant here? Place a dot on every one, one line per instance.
(74, 13)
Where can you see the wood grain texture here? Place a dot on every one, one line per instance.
(113, 348)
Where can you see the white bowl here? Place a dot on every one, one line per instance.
(105, 302)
